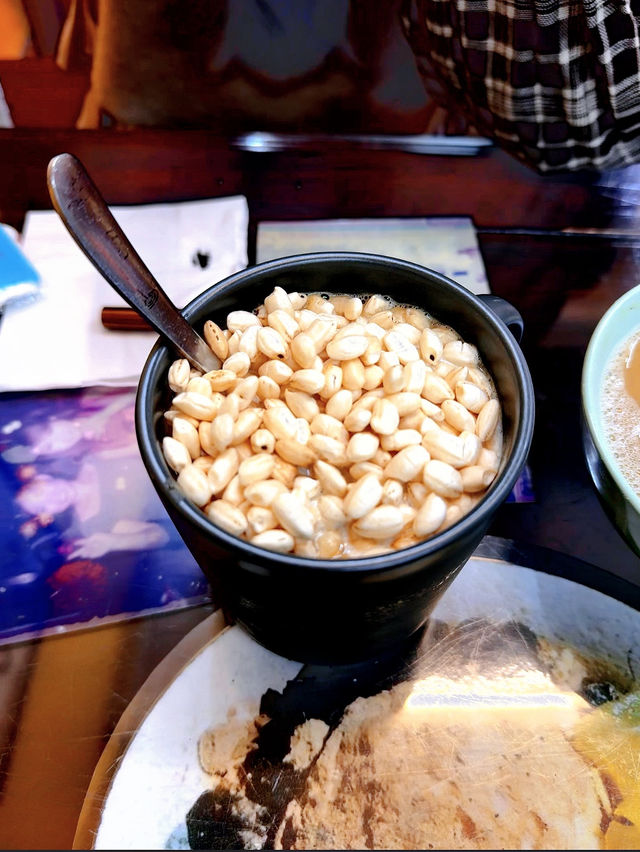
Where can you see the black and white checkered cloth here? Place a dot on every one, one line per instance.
(555, 82)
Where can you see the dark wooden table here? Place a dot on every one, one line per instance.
(561, 249)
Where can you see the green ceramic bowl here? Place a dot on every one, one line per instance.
(619, 500)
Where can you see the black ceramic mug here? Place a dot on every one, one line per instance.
(342, 610)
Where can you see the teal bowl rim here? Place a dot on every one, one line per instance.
(590, 401)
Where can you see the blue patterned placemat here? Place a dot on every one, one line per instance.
(83, 535)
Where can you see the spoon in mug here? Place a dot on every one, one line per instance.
(78, 202)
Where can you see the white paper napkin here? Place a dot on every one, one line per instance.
(59, 341)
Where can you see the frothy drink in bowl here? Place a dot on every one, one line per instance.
(621, 408)
(336, 427)
(611, 414)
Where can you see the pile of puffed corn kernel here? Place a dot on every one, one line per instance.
(334, 428)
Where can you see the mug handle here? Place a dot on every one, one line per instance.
(505, 311)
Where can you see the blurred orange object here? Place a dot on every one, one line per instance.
(15, 33)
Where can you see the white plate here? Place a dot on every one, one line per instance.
(146, 782)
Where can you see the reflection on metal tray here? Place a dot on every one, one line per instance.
(512, 723)
(421, 143)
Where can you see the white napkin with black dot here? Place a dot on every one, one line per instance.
(58, 341)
